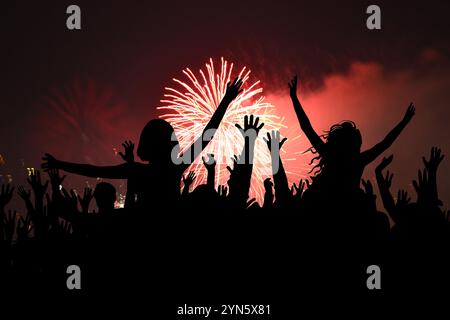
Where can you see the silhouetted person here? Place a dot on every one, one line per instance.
(158, 180)
(341, 162)
(105, 197)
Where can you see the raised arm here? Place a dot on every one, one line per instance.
(432, 166)
(210, 166)
(121, 171)
(384, 185)
(369, 155)
(282, 192)
(232, 91)
(240, 175)
(303, 119)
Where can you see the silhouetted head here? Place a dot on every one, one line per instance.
(155, 143)
(344, 138)
(343, 143)
(105, 196)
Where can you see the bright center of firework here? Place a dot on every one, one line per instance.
(190, 107)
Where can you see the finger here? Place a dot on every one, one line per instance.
(245, 121)
(425, 162)
(364, 183)
(256, 122)
(416, 186)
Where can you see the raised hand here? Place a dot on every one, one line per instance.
(9, 225)
(250, 124)
(388, 179)
(210, 164)
(70, 200)
(421, 184)
(293, 87)
(24, 194)
(6, 194)
(50, 162)
(38, 187)
(63, 229)
(268, 184)
(384, 163)
(384, 181)
(410, 112)
(371, 197)
(128, 147)
(236, 160)
(24, 228)
(436, 158)
(402, 199)
(273, 139)
(55, 179)
(187, 181)
(233, 89)
(298, 189)
(425, 189)
(222, 191)
(85, 200)
(368, 187)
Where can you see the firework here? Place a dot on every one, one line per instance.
(82, 122)
(190, 107)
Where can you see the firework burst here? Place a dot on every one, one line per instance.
(190, 107)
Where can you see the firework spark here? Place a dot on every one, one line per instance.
(190, 107)
(81, 122)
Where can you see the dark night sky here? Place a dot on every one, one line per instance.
(134, 48)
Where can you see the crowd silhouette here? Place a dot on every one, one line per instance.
(177, 238)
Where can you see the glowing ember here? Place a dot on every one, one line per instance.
(189, 108)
